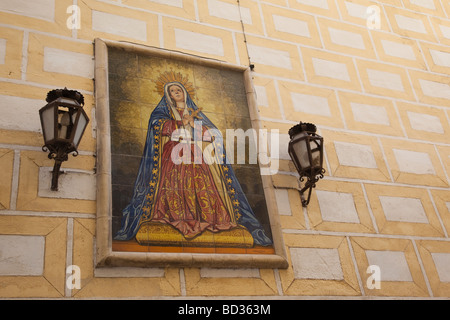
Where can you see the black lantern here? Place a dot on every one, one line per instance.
(63, 122)
(306, 151)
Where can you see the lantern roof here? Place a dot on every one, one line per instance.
(65, 93)
(302, 126)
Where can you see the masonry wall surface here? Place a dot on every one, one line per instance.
(374, 76)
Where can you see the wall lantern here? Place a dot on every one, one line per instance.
(306, 151)
(63, 122)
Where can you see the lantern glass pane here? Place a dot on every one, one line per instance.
(316, 158)
(48, 123)
(315, 152)
(65, 125)
(301, 149)
(82, 123)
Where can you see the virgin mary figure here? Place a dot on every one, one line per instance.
(190, 196)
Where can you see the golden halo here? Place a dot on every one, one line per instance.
(171, 76)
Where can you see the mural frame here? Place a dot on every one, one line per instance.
(104, 255)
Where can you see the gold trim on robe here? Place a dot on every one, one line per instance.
(161, 234)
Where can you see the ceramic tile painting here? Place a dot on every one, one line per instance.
(175, 188)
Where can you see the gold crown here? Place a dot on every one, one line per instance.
(172, 76)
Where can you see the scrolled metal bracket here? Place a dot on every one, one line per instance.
(59, 154)
(309, 185)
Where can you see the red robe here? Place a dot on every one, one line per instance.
(187, 197)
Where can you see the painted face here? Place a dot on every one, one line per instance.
(176, 93)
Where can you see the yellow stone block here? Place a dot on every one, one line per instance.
(28, 198)
(441, 199)
(385, 80)
(52, 282)
(297, 218)
(6, 174)
(431, 88)
(403, 51)
(100, 13)
(347, 285)
(21, 138)
(419, 219)
(10, 68)
(426, 169)
(285, 181)
(330, 69)
(437, 56)
(37, 44)
(370, 114)
(227, 285)
(324, 8)
(424, 123)
(83, 247)
(415, 288)
(446, 6)
(410, 24)
(430, 251)
(292, 26)
(310, 104)
(277, 2)
(396, 3)
(439, 25)
(346, 38)
(124, 287)
(349, 7)
(434, 8)
(283, 128)
(361, 222)
(57, 26)
(227, 14)
(177, 30)
(268, 105)
(55, 257)
(27, 287)
(270, 57)
(187, 10)
(24, 91)
(444, 153)
(369, 165)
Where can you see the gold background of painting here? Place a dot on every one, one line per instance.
(134, 93)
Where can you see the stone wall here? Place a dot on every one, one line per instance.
(372, 75)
